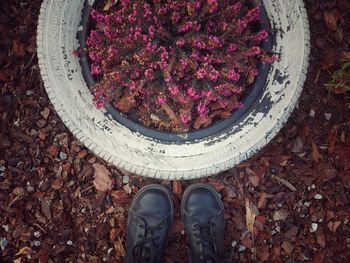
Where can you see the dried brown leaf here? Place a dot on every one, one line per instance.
(102, 178)
(170, 113)
(177, 188)
(281, 214)
(331, 19)
(24, 251)
(57, 184)
(262, 200)
(53, 150)
(287, 247)
(124, 104)
(333, 225)
(225, 114)
(110, 4)
(19, 48)
(4, 76)
(285, 183)
(119, 248)
(202, 122)
(316, 156)
(251, 212)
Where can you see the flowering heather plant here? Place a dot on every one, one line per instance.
(177, 63)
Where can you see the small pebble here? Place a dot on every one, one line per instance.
(63, 156)
(328, 116)
(307, 204)
(278, 228)
(29, 92)
(37, 243)
(2, 168)
(126, 179)
(109, 251)
(312, 113)
(234, 243)
(318, 196)
(241, 248)
(37, 234)
(313, 227)
(3, 243)
(6, 228)
(313, 186)
(70, 243)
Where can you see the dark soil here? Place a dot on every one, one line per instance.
(50, 209)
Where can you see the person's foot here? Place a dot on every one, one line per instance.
(202, 212)
(149, 220)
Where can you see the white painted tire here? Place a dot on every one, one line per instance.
(61, 72)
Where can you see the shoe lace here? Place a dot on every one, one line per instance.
(147, 248)
(205, 239)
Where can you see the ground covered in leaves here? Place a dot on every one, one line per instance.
(288, 203)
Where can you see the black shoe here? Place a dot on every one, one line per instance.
(202, 212)
(149, 220)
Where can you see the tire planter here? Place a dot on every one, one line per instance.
(171, 156)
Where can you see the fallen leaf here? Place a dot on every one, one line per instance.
(53, 150)
(319, 258)
(285, 183)
(247, 242)
(251, 212)
(281, 214)
(119, 248)
(24, 251)
(19, 48)
(170, 113)
(4, 76)
(287, 247)
(57, 184)
(315, 153)
(263, 253)
(102, 178)
(347, 54)
(45, 113)
(253, 178)
(177, 188)
(110, 4)
(125, 104)
(297, 145)
(225, 114)
(202, 122)
(113, 234)
(262, 200)
(45, 208)
(321, 239)
(331, 19)
(121, 196)
(333, 225)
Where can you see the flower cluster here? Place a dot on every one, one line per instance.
(194, 57)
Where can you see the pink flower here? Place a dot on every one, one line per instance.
(261, 35)
(160, 100)
(174, 90)
(202, 109)
(180, 42)
(185, 117)
(233, 75)
(95, 69)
